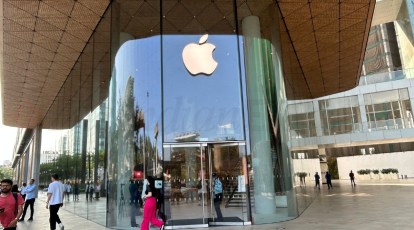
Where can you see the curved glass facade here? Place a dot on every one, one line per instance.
(177, 115)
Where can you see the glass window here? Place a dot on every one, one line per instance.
(301, 124)
(394, 111)
(340, 118)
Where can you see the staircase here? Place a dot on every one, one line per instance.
(232, 197)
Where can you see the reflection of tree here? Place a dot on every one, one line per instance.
(64, 165)
(333, 167)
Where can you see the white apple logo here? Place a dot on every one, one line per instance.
(198, 58)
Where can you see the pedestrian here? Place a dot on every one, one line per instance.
(202, 192)
(317, 180)
(97, 190)
(76, 192)
(352, 177)
(23, 190)
(87, 191)
(150, 206)
(218, 196)
(31, 190)
(91, 189)
(134, 202)
(68, 189)
(11, 205)
(55, 193)
(328, 180)
(15, 189)
(158, 184)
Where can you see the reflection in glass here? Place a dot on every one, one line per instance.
(134, 121)
(202, 107)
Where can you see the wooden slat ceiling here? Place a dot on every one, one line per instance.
(323, 45)
(329, 39)
(42, 39)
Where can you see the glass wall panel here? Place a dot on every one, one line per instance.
(301, 120)
(202, 94)
(270, 175)
(134, 125)
(389, 110)
(340, 115)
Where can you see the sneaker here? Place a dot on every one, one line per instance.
(61, 226)
(20, 220)
(162, 227)
(30, 219)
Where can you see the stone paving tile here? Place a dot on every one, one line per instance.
(70, 221)
(371, 205)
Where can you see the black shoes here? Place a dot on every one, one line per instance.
(20, 220)
(30, 219)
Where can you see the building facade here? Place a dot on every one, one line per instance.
(182, 90)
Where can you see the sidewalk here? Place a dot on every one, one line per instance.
(370, 205)
(41, 219)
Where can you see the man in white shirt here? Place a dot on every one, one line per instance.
(23, 191)
(54, 201)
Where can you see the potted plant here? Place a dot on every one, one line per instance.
(302, 176)
(376, 173)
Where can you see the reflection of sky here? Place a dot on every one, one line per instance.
(201, 103)
(141, 60)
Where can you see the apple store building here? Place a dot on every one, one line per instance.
(191, 92)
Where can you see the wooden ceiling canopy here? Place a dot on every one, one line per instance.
(44, 39)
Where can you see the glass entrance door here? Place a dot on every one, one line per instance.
(228, 174)
(192, 172)
(186, 168)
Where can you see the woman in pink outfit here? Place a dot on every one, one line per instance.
(150, 207)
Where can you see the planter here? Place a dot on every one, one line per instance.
(363, 177)
(376, 176)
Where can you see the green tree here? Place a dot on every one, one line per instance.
(333, 167)
(6, 172)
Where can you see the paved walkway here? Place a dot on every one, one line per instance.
(371, 205)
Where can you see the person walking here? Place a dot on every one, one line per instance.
(150, 206)
(76, 192)
(317, 181)
(328, 180)
(91, 190)
(134, 194)
(87, 188)
(10, 211)
(68, 190)
(30, 199)
(97, 190)
(352, 177)
(55, 194)
(218, 196)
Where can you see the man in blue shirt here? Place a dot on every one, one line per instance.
(30, 199)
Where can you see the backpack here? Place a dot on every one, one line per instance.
(16, 206)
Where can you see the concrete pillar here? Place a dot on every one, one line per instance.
(363, 112)
(37, 144)
(318, 123)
